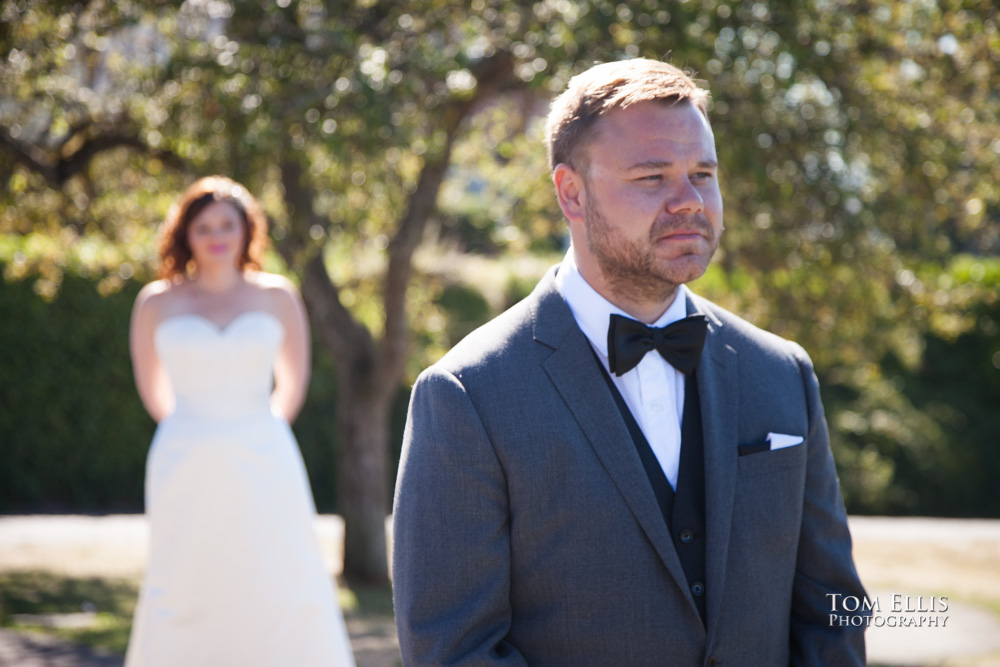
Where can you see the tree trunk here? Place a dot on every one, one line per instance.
(363, 417)
(365, 391)
(369, 371)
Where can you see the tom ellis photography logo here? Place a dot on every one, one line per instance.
(902, 611)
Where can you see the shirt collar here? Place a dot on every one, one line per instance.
(592, 311)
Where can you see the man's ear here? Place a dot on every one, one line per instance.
(571, 192)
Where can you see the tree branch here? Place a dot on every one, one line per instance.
(491, 73)
(349, 341)
(31, 156)
(57, 169)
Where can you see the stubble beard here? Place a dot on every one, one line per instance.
(631, 269)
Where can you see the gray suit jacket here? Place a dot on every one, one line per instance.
(526, 531)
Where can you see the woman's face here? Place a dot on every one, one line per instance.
(217, 235)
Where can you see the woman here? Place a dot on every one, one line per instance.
(235, 575)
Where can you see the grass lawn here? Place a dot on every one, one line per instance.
(97, 611)
(94, 611)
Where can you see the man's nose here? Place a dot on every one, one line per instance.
(685, 198)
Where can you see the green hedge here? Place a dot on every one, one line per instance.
(73, 430)
(74, 436)
(73, 433)
(948, 461)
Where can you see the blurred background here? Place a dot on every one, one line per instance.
(397, 148)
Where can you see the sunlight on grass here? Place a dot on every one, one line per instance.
(98, 610)
(366, 601)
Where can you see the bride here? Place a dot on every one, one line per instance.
(220, 352)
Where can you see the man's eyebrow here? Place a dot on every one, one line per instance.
(665, 164)
(651, 164)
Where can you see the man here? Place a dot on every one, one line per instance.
(564, 498)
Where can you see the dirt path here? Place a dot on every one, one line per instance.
(910, 563)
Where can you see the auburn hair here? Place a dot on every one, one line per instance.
(176, 259)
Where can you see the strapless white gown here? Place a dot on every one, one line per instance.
(235, 574)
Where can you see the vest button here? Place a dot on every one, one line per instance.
(698, 589)
(686, 536)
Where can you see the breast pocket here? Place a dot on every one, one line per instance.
(773, 461)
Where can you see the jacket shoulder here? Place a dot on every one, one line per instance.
(745, 337)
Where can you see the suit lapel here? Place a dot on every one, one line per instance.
(718, 390)
(576, 376)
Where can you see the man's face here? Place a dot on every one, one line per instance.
(652, 209)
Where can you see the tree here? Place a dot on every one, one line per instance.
(842, 176)
(271, 78)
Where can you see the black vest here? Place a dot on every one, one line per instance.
(684, 509)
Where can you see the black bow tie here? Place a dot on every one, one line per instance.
(679, 343)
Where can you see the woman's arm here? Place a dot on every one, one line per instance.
(150, 377)
(292, 366)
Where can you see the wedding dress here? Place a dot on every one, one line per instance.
(235, 575)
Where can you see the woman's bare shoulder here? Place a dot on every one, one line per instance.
(158, 295)
(276, 285)
(155, 293)
(280, 293)
(269, 280)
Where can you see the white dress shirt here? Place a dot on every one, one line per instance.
(653, 390)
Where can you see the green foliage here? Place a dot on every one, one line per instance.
(958, 387)
(315, 431)
(466, 309)
(920, 437)
(74, 431)
(37, 593)
(498, 198)
(517, 288)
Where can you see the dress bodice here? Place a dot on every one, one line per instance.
(220, 373)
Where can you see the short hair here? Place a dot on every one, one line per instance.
(604, 87)
(176, 258)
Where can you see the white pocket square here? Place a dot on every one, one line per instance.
(782, 440)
